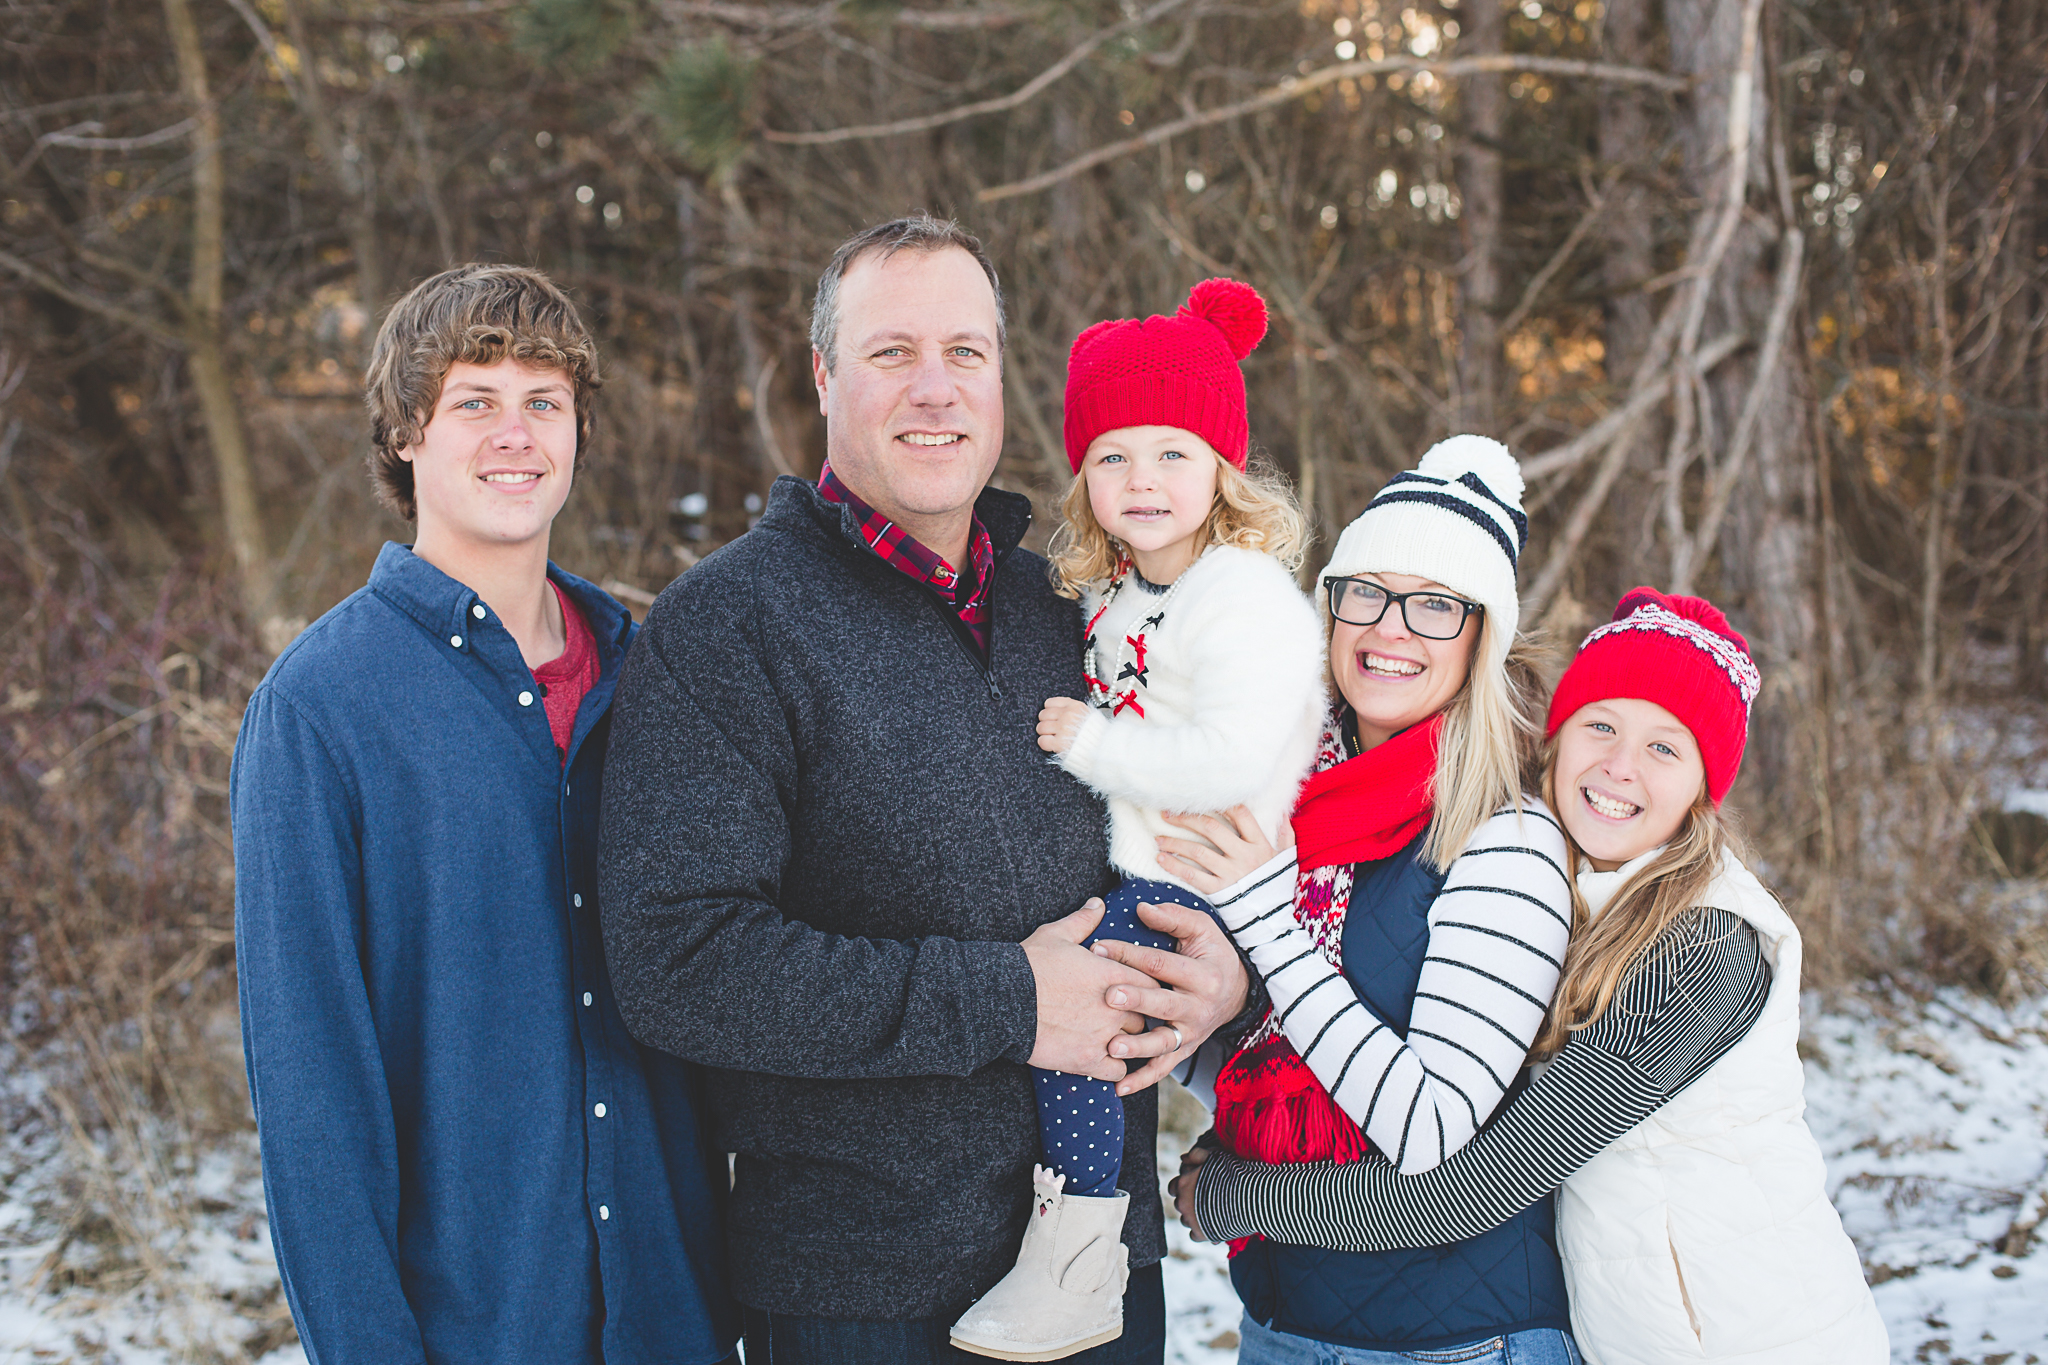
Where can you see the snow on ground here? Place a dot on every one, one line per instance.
(73, 1288)
(1934, 1121)
(1934, 1125)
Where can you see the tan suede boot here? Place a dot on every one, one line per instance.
(1067, 1290)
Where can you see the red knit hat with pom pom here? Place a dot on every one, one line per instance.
(1681, 653)
(1178, 371)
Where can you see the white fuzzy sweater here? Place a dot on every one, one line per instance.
(1233, 701)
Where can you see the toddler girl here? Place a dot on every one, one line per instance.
(1204, 672)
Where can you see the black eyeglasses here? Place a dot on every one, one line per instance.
(1434, 615)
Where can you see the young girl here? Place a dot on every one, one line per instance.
(1203, 662)
(1693, 1218)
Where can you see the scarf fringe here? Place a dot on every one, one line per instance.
(1270, 1107)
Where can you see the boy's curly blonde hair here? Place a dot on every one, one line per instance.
(1253, 510)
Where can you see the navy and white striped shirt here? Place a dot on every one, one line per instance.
(1497, 936)
(1693, 998)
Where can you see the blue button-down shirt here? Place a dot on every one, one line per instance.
(467, 1158)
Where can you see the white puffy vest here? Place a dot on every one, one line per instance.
(1705, 1233)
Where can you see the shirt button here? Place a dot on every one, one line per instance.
(604, 1213)
(578, 899)
(455, 640)
(598, 1110)
(477, 611)
(586, 999)
(526, 698)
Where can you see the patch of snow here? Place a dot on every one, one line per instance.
(1933, 1120)
(206, 1287)
(1202, 1311)
(1933, 1128)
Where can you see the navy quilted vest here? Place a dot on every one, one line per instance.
(1506, 1280)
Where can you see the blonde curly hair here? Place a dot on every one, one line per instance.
(1254, 509)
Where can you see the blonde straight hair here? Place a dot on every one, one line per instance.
(1604, 952)
(1253, 510)
(1487, 752)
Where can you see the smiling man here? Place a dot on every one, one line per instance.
(839, 872)
(466, 1156)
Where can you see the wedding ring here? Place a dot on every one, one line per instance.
(1178, 1041)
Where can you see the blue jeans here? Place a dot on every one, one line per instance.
(1542, 1346)
(783, 1339)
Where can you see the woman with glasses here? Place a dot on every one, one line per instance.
(1410, 940)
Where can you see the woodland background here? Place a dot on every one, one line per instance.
(1755, 288)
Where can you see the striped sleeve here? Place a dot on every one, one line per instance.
(1693, 998)
(1497, 936)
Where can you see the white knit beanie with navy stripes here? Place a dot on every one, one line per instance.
(1457, 519)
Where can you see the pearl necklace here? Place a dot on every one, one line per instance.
(1133, 669)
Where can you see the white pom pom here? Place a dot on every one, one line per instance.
(1488, 458)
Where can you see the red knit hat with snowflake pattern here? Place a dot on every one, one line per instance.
(1681, 653)
(1178, 371)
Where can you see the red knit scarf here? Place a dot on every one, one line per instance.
(1269, 1106)
(1371, 806)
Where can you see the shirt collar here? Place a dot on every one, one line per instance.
(893, 542)
(444, 607)
(1599, 887)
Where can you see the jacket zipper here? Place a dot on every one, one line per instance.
(965, 640)
(958, 629)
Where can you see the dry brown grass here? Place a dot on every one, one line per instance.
(121, 696)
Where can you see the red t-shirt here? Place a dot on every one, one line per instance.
(564, 680)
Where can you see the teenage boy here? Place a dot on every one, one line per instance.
(467, 1159)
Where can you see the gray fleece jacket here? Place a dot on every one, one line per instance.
(827, 825)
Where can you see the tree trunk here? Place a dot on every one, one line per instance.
(241, 515)
(1765, 553)
(354, 179)
(1480, 98)
(1629, 138)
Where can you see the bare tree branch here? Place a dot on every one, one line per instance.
(1550, 268)
(205, 357)
(304, 88)
(763, 423)
(78, 298)
(1693, 553)
(1566, 547)
(1679, 453)
(72, 137)
(1645, 396)
(1021, 95)
(1615, 431)
(33, 112)
(1295, 87)
(810, 16)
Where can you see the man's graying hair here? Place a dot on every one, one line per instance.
(919, 232)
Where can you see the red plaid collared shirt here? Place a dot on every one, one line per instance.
(901, 550)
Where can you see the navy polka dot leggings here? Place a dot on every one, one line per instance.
(1081, 1119)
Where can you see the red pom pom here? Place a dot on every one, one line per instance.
(1234, 308)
